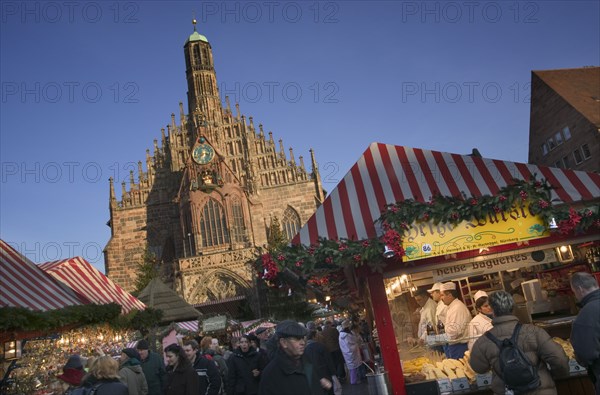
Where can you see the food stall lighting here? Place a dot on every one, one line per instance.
(565, 253)
(327, 298)
(12, 349)
(403, 279)
(388, 252)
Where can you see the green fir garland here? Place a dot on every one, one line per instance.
(315, 263)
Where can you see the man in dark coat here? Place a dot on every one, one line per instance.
(330, 337)
(244, 369)
(318, 354)
(153, 367)
(585, 334)
(291, 372)
(208, 373)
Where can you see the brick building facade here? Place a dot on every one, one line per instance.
(208, 194)
(565, 118)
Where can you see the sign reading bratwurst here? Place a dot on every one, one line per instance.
(425, 239)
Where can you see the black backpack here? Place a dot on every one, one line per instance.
(517, 371)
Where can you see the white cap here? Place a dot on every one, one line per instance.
(436, 287)
(479, 294)
(449, 286)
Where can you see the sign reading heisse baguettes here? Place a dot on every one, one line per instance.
(425, 239)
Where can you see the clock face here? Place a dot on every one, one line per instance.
(203, 154)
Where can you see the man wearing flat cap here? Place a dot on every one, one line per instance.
(153, 367)
(457, 321)
(291, 372)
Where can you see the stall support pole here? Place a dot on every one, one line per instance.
(385, 331)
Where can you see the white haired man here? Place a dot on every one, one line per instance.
(585, 334)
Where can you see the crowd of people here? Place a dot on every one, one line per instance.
(316, 358)
(440, 307)
(294, 359)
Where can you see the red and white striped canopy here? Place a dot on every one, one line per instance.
(191, 326)
(23, 284)
(91, 284)
(386, 174)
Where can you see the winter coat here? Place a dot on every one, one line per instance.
(154, 371)
(284, 376)
(330, 337)
(585, 336)
(208, 375)
(535, 343)
(182, 381)
(350, 346)
(106, 386)
(240, 379)
(133, 377)
(317, 353)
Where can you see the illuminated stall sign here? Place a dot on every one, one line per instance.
(494, 264)
(425, 239)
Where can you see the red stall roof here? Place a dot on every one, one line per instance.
(91, 284)
(386, 174)
(24, 284)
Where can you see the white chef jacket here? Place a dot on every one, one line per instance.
(427, 315)
(440, 312)
(480, 324)
(457, 320)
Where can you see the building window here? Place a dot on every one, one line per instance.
(551, 143)
(566, 133)
(545, 149)
(577, 156)
(566, 162)
(558, 138)
(586, 151)
(237, 216)
(213, 226)
(290, 223)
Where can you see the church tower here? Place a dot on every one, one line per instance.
(203, 93)
(212, 185)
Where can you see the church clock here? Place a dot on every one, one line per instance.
(203, 153)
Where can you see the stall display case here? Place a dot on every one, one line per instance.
(556, 279)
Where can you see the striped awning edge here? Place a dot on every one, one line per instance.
(91, 284)
(191, 326)
(386, 174)
(24, 284)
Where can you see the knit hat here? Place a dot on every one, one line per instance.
(142, 345)
(72, 371)
(311, 326)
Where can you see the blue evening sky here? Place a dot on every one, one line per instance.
(86, 87)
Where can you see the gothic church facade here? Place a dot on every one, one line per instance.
(208, 195)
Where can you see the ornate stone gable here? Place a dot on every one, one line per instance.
(209, 191)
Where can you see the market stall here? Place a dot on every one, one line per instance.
(42, 322)
(404, 203)
(92, 285)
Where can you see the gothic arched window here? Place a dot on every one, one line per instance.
(290, 223)
(237, 219)
(213, 226)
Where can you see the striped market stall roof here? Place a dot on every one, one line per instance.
(191, 326)
(91, 284)
(386, 174)
(24, 284)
